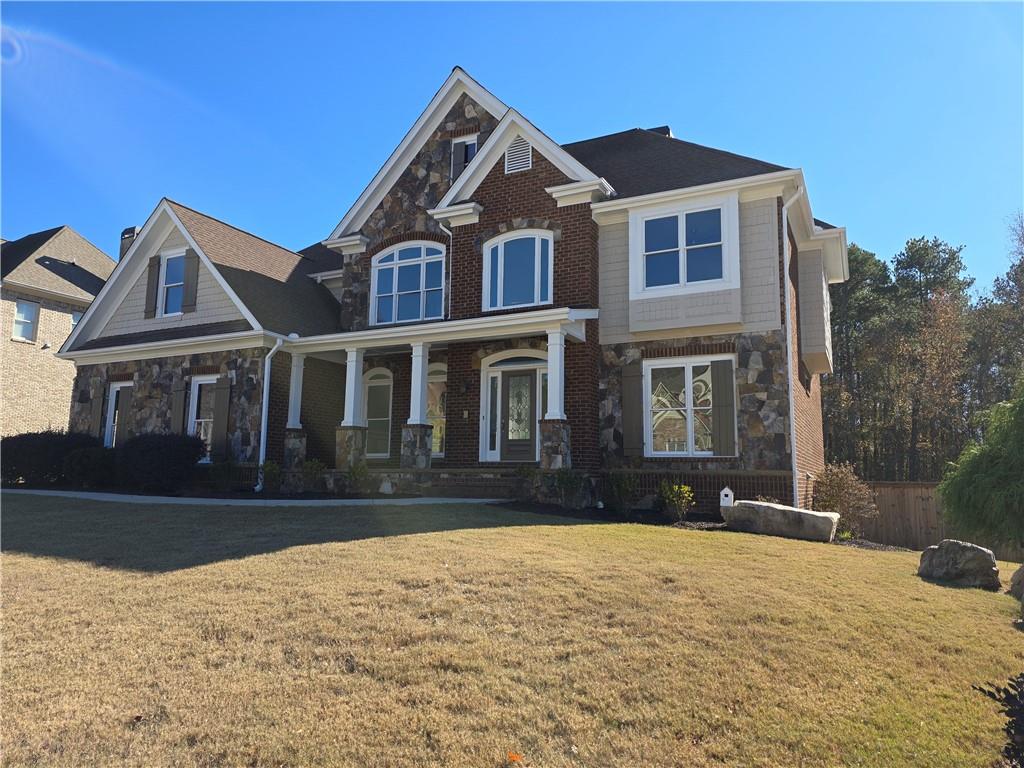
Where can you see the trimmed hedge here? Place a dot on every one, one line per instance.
(161, 463)
(38, 458)
(90, 467)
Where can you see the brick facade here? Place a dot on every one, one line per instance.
(36, 384)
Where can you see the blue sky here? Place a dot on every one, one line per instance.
(907, 119)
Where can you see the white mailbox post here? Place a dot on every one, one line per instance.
(725, 498)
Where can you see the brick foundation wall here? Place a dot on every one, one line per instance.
(35, 384)
(806, 400)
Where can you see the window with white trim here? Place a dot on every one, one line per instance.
(437, 404)
(200, 411)
(116, 403)
(407, 284)
(75, 318)
(377, 402)
(172, 283)
(26, 320)
(518, 270)
(684, 415)
(463, 151)
(683, 248)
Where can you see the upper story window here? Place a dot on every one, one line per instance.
(172, 283)
(75, 318)
(518, 270)
(26, 320)
(684, 248)
(463, 151)
(407, 284)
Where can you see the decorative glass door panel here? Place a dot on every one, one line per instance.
(519, 416)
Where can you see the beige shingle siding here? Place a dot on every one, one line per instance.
(815, 320)
(213, 305)
(755, 305)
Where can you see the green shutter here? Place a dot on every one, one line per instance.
(188, 303)
(125, 413)
(723, 408)
(458, 158)
(178, 407)
(632, 410)
(152, 284)
(96, 416)
(221, 405)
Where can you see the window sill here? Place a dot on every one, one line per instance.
(704, 286)
(512, 307)
(20, 340)
(171, 314)
(406, 323)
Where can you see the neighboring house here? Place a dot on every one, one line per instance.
(491, 299)
(47, 282)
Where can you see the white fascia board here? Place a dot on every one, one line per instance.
(103, 307)
(172, 347)
(504, 326)
(512, 125)
(458, 82)
(43, 293)
(590, 191)
(458, 215)
(244, 310)
(834, 252)
(750, 188)
(348, 245)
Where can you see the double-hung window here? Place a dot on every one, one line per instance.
(172, 283)
(377, 394)
(408, 284)
(689, 406)
(26, 320)
(683, 248)
(518, 270)
(200, 411)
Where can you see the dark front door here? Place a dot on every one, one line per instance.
(518, 416)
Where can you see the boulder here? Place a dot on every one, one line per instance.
(780, 520)
(1017, 584)
(960, 563)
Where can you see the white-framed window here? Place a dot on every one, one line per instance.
(437, 404)
(463, 151)
(377, 386)
(75, 318)
(679, 406)
(171, 293)
(115, 403)
(202, 395)
(687, 247)
(518, 269)
(26, 320)
(407, 284)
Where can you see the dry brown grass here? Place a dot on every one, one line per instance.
(451, 636)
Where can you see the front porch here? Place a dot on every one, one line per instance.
(467, 394)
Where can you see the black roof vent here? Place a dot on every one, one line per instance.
(664, 130)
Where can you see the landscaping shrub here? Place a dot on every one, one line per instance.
(358, 478)
(159, 463)
(272, 475)
(839, 490)
(37, 458)
(1011, 701)
(622, 491)
(983, 491)
(312, 474)
(222, 476)
(676, 500)
(569, 483)
(90, 467)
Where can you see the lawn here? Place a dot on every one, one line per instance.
(452, 636)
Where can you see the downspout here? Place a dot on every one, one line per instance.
(786, 255)
(265, 411)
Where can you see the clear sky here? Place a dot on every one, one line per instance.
(907, 119)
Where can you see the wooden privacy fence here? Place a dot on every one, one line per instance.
(910, 515)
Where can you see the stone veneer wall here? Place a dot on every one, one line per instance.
(153, 382)
(762, 406)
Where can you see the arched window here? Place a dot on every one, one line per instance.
(518, 269)
(407, 284)
(377, 401)
(437, 404)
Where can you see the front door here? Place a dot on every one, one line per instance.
(518, 416)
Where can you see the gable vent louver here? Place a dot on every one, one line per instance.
(518, 156)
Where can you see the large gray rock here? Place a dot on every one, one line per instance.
(780, 520)
(1017, 584)
(960, 563)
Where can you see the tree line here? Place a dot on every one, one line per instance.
(918, 361)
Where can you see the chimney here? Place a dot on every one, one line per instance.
(127, 238)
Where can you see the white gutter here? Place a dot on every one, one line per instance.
(266, 409)
(789, 331)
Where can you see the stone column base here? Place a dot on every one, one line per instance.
(555, 450)
(417, 446)
(294, 449)
(349, 447)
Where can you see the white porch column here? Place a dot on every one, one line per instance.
(354, 389)
(556, 374)
(418, 394)
(295, 392)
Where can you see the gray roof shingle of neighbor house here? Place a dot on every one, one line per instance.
(643, 161)
(28, 261)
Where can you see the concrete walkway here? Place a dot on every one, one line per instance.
(255, 501)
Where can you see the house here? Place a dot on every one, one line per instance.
(492, 299)
(47, 281)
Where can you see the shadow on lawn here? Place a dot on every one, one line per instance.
(168, 538)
